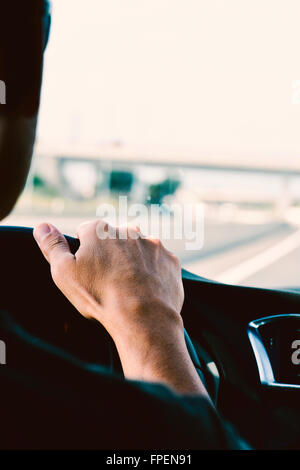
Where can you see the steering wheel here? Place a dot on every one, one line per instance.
(25, 271)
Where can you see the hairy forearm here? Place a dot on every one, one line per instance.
(171, 366)
(161, 359)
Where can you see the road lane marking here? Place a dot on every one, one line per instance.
(253, 265)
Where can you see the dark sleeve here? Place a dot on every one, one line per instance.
(54, 401)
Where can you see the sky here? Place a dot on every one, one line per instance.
(199, 77)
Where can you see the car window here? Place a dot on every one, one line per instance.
(184, 116)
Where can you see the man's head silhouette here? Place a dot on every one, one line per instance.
(23, 37)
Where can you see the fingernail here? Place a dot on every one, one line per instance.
(41, 231)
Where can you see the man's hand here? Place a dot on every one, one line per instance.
(133, 287)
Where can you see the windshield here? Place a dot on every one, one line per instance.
(183, 115)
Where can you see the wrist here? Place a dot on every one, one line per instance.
(141, 326)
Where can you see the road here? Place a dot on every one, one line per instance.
(271, 260)
(255, 255)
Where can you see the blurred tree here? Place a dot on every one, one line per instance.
(44, 187)
(121, 181)
(159, 190)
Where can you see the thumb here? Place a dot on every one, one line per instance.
(52, 244)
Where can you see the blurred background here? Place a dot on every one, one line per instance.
(168, 101)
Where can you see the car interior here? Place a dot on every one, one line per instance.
(238, 337)
(244, 340)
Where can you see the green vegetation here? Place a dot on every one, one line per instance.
(121, 181)
(158, 191)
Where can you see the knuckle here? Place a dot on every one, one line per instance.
(51, 241)
(88, 227)
(175, 259)
(133, 227)
(155, 241)
(54, 241)
(133, 233)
